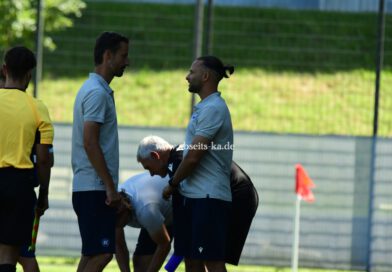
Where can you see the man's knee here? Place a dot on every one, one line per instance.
(218, 266)
(100, 260)
(9, 254)
(141, 262)
(194, 265)
(107, 257)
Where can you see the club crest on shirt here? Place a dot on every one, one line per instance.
(105, 242)
(194, 116)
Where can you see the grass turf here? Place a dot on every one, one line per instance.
(259, 100)
(66, 264)
(297, 71)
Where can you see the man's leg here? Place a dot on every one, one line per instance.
(29, 264)
(17, 198)
(218, 266)
(82, 263)
(194, 265)
(8, 257)
(27, 260)
(95, 263)
(141, 262)
(97, 229)
(144, 251)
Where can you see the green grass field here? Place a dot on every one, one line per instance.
(61, 264)
(297, 71)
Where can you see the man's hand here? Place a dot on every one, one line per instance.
(112, 198)
(42, 203)
(167, 192)
(125, 204)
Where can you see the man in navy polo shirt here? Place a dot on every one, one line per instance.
(95, 154)
(201, 212)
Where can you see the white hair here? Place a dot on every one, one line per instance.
(150, 144)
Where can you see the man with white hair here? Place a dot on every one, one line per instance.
(161, 158)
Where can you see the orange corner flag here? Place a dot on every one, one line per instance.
(303, 184)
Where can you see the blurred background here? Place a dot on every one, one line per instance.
(311, 86)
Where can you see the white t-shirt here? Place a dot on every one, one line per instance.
(150, 210)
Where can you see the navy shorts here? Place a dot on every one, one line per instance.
(200, 227)
(145, 245)
(26, 253)
(17, 199)
(97, 222)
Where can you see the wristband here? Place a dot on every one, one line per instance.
(171, 183)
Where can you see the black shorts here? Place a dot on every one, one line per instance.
(145, 245)
(17, 199)
(24, 250)
(26, 253)
(244, 206)
(97, 222)
(200, 227)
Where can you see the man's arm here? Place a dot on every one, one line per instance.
(95, 155)
(43, 165)
(162, 239)
(122, 253)
(189, 162)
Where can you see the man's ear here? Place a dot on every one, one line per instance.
(107, 56)
(29, 76)
(155, 155)
(206, 75)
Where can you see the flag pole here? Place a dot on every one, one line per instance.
(294, 257)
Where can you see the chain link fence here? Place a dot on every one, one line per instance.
(317, 63)
(319, 59)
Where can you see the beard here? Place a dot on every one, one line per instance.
(194, 88)
(120, 72)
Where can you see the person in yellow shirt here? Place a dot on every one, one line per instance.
(27, 258)
(25, 129)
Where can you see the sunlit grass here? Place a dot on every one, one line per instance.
(284, 102)
(63, 264)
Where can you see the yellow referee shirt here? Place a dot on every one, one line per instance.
(21, 118)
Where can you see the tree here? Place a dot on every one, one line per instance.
(18, 20)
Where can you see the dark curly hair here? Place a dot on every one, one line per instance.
(107, 41)
(216, 65)
(19, 61)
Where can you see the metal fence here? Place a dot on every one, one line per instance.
(322, 48)
(349, 226)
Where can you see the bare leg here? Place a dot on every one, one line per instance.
(82, 263)
(218, 266)
(141, 262)
(97, 263)
(29, 264)
(192, 265)
(9, 254)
